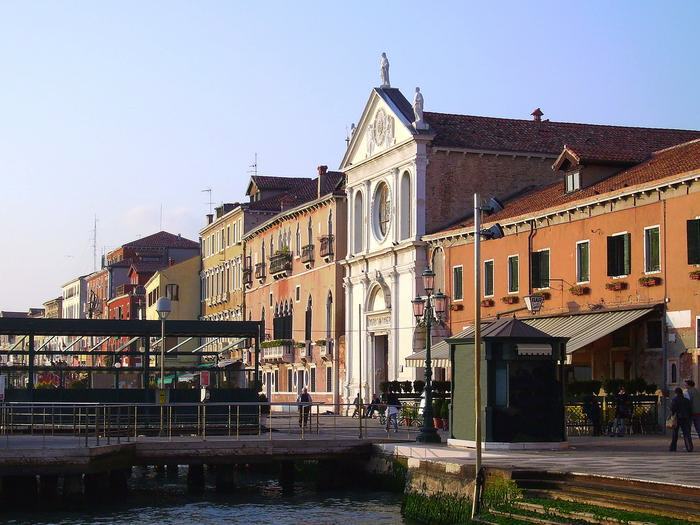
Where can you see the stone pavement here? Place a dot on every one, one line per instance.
(644, 458)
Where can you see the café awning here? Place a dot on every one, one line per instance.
(581, 329)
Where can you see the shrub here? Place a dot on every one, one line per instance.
(276, 342)
(612, 386)
(582, 388)
(418, 386)
(407, 387)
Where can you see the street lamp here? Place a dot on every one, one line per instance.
(428, 311)
(163, 307)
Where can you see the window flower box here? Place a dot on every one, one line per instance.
(695, 275)
(510, 299)
(456, 307)
(545, 295)
(487, 303)
(579, 290)
(616, 286)
(649, 281)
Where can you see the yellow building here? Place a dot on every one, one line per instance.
(180, 284)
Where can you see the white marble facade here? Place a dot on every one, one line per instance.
(385, 166)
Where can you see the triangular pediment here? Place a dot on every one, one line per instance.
(385, 122)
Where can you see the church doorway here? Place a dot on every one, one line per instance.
(380, 362)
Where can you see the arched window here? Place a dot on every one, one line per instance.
(307, 324)
(381, 211)
(272, 245)
(438, 265)
(310, 232)
(330, 222)
(329, 314)
(405, 231)
(262, 252)
(297, 242)
(359, 214)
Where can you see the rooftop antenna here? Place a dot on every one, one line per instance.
(254, 166)
(211, 203)
(94, 244)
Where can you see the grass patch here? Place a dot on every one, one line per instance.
(602, 512)
(437, 510)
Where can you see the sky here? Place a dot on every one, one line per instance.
(117, 110)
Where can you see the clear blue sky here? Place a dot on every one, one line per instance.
(114, 108)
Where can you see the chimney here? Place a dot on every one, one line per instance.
(322, 170)
(210, 218)
(537, 115)
(171, 261)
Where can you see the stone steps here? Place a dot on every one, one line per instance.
(672, 501)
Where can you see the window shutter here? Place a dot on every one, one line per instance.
(535, 270)
(693, 229)
(612, 269)
(544, 269)
(626, 261)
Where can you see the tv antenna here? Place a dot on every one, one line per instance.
(94, 244)
(254, 166)
(211, 203)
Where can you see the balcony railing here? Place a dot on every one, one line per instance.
(283, 352)
(280, 264)
(260, 271)
(247, 276)
(327, 246)
(307, 253)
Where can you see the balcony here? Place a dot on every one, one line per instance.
(327, 247)
(247, 276)
(280, 351)
(326, 350)
(307, 255)
(280, 264)
(305, 352)
(260, 271)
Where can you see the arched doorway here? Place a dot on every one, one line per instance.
(378, 327)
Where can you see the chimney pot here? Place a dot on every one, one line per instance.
(322, 170)
(537, 115)
(210, 218)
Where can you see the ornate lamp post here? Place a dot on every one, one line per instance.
(163, 307)
(428, 311)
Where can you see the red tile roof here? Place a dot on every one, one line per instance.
(590, 141)
(264, 182)
(306, 190)
(660, 165)
(162, 239)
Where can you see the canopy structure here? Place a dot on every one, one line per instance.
(581, 329)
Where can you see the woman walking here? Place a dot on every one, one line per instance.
(681, 408)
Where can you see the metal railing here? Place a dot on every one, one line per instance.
(53, 424)
(643, 418)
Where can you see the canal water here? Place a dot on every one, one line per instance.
(153, 498)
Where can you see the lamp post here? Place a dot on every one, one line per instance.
(428, 311)
(163, 307)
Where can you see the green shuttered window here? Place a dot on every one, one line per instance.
(488, 278)
(540, 269)
(513, 273)
(619, 255)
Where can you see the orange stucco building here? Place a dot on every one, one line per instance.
(294, 284)
(614, 252)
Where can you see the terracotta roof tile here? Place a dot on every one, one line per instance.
(661, 164)
(264, 182)
(591, 141)
(162, 239)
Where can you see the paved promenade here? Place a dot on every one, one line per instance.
(644, 458)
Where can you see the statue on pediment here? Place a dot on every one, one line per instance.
(418, 123)
(384, 65)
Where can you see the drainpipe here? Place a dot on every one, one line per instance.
(530, 236)
(664, 328)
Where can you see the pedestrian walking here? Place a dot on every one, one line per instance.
(304, 401)
(622, 412)
(680, 409)
(693, 395)
(356, 412)
(591, 408)
(393, 405)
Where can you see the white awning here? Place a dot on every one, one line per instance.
(581, 329)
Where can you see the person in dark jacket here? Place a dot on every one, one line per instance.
(304, 401)
(622, 412)
(591, 408)
(681, 408)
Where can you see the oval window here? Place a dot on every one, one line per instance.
(382, 209)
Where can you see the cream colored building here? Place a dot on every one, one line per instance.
(180, 284)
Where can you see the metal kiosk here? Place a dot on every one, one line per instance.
(521, 384)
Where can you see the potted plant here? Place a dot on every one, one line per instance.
(437, 413)
(510, 299)
(456, 307)
(649, 281)
(577, 289)
(445, 414)
(616, 286)
(487, 303)
(320, 342)
(407, 387)
(695, 275)
(545, 295)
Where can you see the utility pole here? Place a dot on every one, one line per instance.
(94, 244)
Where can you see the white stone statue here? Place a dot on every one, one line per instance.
(419, 123)
(384, 64)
